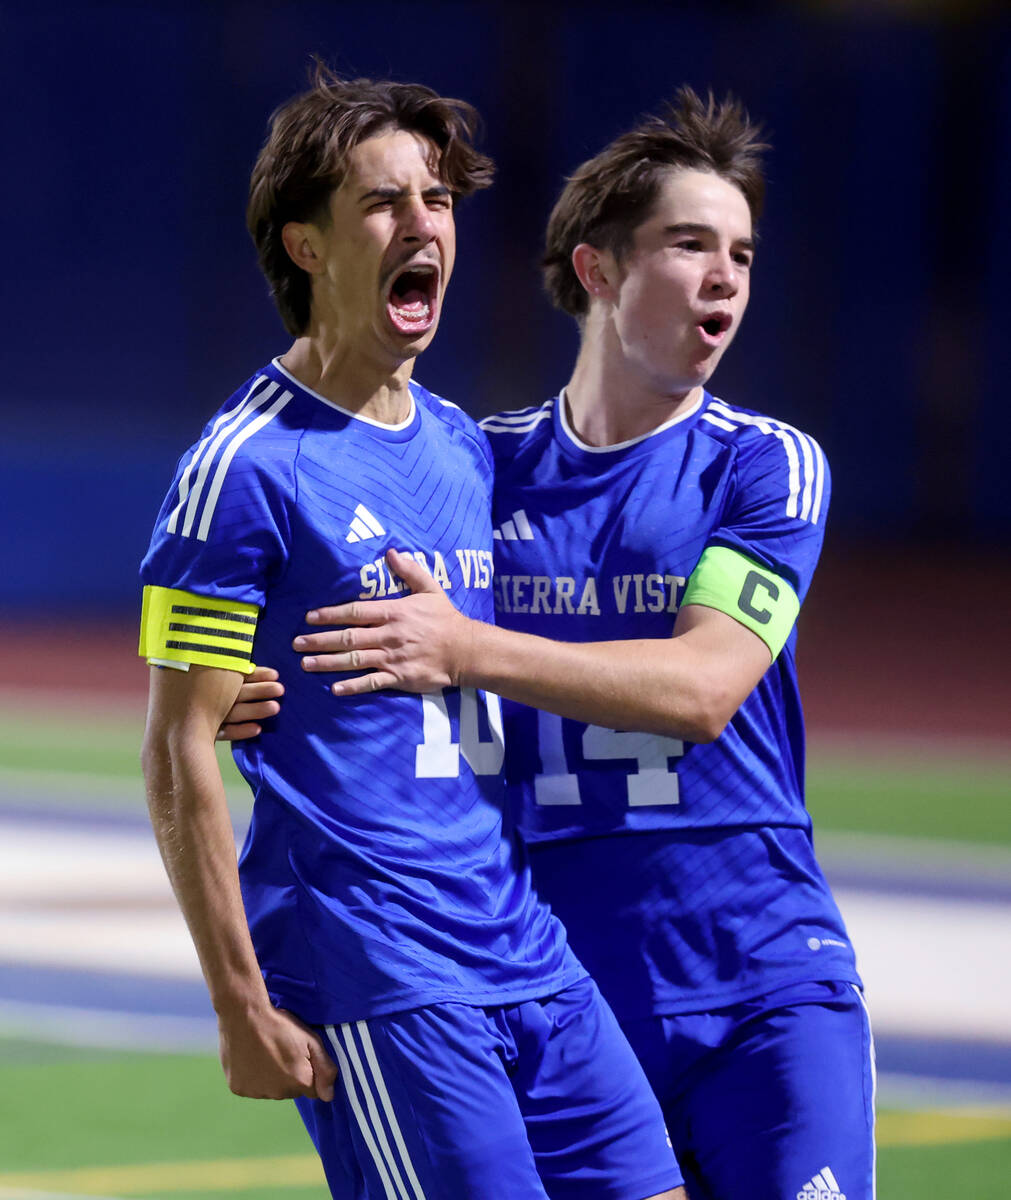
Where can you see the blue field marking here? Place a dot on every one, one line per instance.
(104, 991)
(114, 1030)
(913, 867)
(121, 1008)
(112, 1010)
(30, 804)
(45, 810)
(957, 1059)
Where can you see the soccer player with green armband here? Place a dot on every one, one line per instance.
(653, 545)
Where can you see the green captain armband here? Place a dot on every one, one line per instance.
(181, 627)
(743, 589)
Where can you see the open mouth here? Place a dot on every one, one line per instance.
(716, 325)
(413, 298)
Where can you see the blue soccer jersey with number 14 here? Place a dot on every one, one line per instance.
(684, 873)
(376, 874)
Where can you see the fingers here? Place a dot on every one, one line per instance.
(243, 719)
(322, 1066)
(411, 572)
(259, 711)
(265, 690)
(238, 733)
(255, 702)
(353, 660)
(275, 1056)
(261, 675)
(332, 641)
(339, 643)
(375, 681)
(324, 1071)
(357, 612)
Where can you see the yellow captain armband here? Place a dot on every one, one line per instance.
(734, 584)
(180, 628)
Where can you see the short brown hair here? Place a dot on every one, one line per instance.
(607, 198)
(304, 160)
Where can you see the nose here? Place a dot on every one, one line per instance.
(721, 278)
(416, 222)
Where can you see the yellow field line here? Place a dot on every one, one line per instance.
(934, 1127)
(147, 1179)
(922, 1128)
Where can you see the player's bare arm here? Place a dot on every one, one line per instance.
(687, 686)
(265, 1053)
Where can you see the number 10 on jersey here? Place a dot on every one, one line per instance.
(438, 756)
(650, 779)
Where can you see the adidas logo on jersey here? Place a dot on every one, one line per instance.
(516, 529)
(364, 526)
(822, 1187)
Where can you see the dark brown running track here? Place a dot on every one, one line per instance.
(891, 645)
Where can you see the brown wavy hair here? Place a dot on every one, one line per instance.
(608, 197)
(304, 159)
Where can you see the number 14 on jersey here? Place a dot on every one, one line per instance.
(650, 780)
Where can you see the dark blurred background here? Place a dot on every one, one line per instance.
(132, 305)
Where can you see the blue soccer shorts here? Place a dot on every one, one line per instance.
(453, 1102)
(773, 1098)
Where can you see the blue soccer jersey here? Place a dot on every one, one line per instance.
(377, 875)
(684, 873)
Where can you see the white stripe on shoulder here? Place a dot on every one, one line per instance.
(804, 458)
(220, 446)
(819, 489)
(225, 461)
(520, 421)
(231, 419)
(718, 421)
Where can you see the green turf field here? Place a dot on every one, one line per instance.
(947, 794)
(144, 1125)
(954, 798)
(165, 1126)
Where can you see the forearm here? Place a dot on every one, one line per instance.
(189, 814)
(687, 686)
(662, 686)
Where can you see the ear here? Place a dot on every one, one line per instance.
(300, 240)
(597, 271)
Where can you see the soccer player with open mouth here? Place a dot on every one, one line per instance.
(381, 919)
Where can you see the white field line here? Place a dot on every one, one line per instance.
(100, 899)
(93, 898)
(933, 967)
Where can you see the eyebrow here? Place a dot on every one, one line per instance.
(747, 243)
(395, 193)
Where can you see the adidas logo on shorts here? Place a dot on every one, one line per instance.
(822, 1187)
